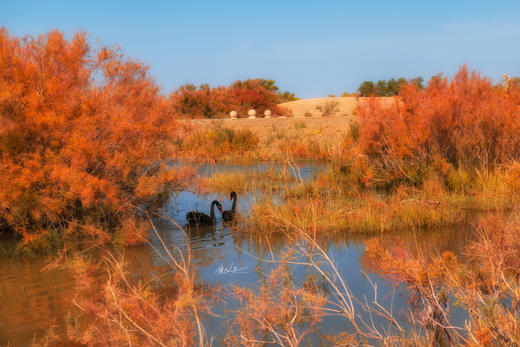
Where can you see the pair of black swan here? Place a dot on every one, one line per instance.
(195, 218)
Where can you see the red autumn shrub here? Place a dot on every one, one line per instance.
(192, 102)
(204, 102)
(466, 122)
(250, 94)
(82, 133)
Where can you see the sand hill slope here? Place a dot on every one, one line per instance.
(344, 106)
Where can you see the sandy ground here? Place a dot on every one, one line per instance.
(273, 131)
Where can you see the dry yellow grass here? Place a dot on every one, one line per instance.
(323, 127)
(276, 135)
(317, 126)
(303, 135)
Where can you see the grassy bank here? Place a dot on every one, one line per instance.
(337, 202)
(249, 140)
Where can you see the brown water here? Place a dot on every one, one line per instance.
(33, 298)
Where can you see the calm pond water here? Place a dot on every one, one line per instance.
(33, 298)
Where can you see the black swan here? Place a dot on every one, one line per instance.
(199, 218)
(230, 214)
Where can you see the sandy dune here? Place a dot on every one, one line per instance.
(345, 105)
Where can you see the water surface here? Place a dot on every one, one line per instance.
(32, 298)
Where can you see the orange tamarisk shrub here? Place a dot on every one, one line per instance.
(252, 94)
(466, 122)
(204, 102)
(82, 138)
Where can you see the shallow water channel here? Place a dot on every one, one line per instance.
(33, 298)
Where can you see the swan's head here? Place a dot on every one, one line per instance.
(232, 195)
(219, 206)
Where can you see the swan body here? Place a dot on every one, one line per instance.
(198, 218)
(229, 215)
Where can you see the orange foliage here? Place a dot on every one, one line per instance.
(466, 122)
(119, 309)
(82, 132)
(204, 102)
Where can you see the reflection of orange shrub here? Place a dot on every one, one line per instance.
(466, 122)
(81, 136)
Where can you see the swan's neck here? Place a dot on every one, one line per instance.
(234, 202)
(212, 213)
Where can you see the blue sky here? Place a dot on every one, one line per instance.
(312, 48)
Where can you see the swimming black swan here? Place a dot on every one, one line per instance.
(199, 218)
(230, 214)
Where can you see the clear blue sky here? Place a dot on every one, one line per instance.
(311, 48)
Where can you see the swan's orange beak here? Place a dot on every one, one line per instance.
(220, 209)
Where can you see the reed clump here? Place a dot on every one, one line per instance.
(253, 180)
(337, 201)
(217, 142)
(367, 213)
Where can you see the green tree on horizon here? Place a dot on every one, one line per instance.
(367, 88)
(389, 87)
(285, 96)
